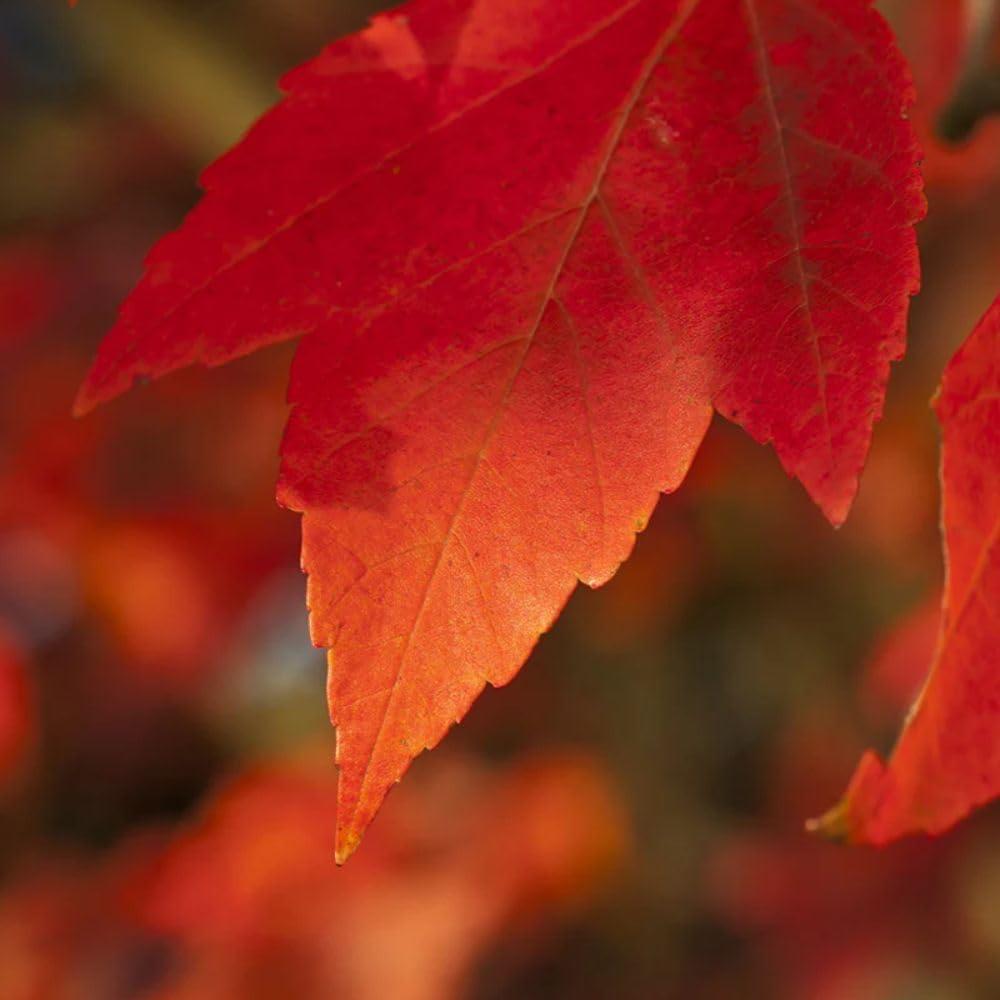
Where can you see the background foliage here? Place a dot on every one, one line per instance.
(624, 819)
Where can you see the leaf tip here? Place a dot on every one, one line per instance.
(855, 818)
(91, 393)
(833, 490)
(348, 841)
(835, 509)
(83, 402)
(105, 383)
(833, 825)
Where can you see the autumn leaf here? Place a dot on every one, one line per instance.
(947, 760)
(532, 244)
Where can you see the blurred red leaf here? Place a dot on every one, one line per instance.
(62, 932)
(934, 36)
(196, 569)
(834, 924)
(533, 244)
(88, 536)
(947, 760)
(30, 290)
(838, 925)
(245, 904)
(251, 898)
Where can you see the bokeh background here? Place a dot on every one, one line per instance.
(624, 820)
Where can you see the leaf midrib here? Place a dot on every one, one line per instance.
(686, 9)
(764, 74)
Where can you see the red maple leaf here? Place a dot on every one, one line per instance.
(947, 760)
(532, 244)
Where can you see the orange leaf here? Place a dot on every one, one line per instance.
(947, 760)
(532, 244)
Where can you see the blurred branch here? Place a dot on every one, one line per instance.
(200, 94)
(977, 93)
